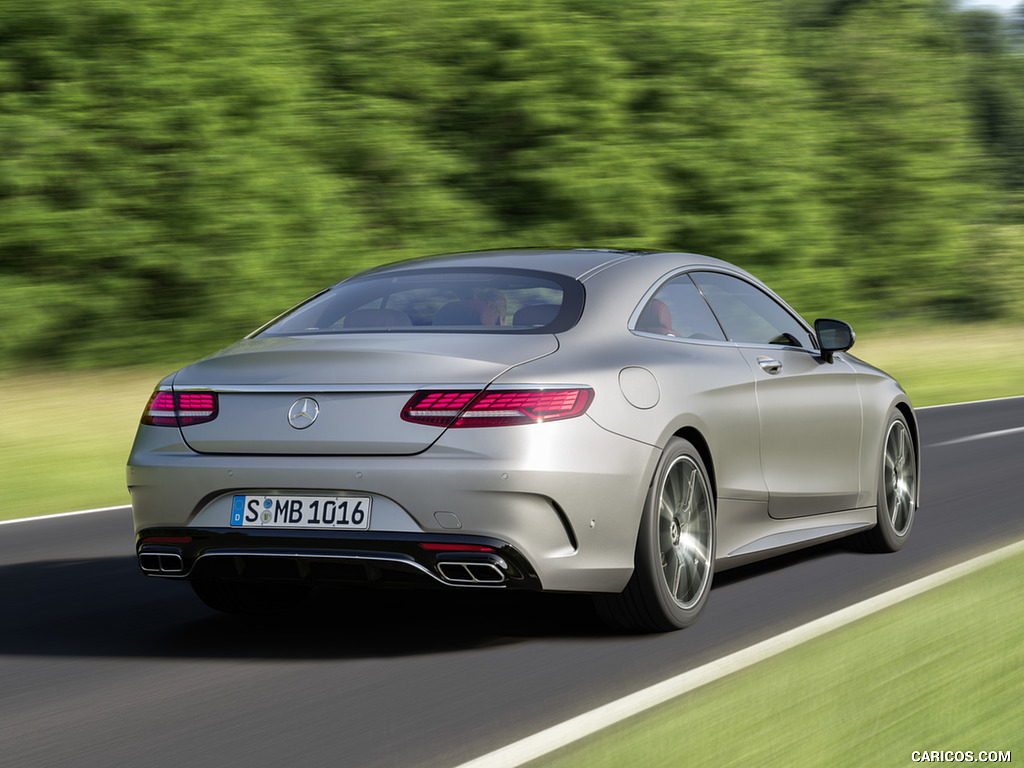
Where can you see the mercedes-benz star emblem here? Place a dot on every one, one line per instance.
(303, 412)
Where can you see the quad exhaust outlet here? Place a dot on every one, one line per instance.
(472, 572)
(161, 562)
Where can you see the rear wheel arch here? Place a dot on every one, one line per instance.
(695, 438)
(676, 536)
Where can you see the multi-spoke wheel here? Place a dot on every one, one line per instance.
(675, 551)
(685, 531)
(897, 490)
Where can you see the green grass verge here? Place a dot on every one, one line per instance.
(939, 672)
(64, 437)
(949, 364)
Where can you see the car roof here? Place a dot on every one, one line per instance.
(578, 263)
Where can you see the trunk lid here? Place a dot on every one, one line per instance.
(358, 385)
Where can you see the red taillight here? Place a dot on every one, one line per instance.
(438, 409)
(180, 409)
(434, 547)
(495, 408)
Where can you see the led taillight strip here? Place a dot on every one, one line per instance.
(495, 408)
(440, 547)
(180, 409)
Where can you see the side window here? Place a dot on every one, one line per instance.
(678, 309)
(748, 314)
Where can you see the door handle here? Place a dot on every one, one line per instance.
(770, 365)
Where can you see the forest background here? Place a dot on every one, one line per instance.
(174, 172)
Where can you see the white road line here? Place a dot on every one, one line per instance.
(969, 402)
(980, 436)
(565, 733)
(64, 514)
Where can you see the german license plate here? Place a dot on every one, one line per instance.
(347, 512)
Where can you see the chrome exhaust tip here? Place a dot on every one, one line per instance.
(472, 572)
(161, 562)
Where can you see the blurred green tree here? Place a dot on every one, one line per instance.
(995, 89)
(172, 173)
(907, 180)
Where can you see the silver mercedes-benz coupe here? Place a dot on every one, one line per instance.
(622, 423)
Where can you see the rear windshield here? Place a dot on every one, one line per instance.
(449, 300)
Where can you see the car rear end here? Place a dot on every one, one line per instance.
(370, 438)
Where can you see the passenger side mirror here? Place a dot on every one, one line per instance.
(833, 336)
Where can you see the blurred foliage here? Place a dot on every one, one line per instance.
(173, 173)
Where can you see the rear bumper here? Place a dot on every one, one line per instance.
(331, 558)
(565, 497)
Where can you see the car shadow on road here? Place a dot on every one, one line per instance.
(106, 607)
(782, 562)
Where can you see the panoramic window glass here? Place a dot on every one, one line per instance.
(440, 300)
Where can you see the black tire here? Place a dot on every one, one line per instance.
(245, 598)
(897, 490)
(675, 549)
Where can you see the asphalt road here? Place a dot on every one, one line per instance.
(101, 666)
